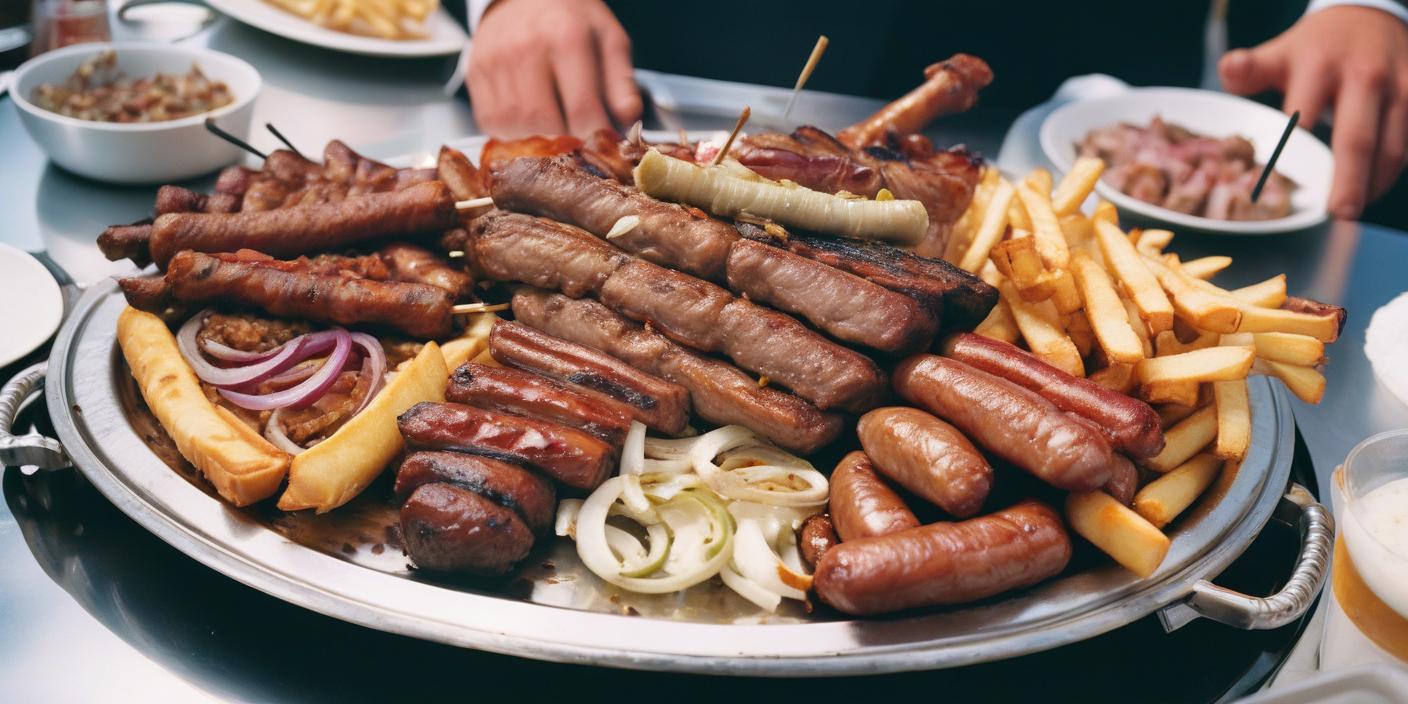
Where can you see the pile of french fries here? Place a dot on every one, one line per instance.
(384, 19)
(1115, 307)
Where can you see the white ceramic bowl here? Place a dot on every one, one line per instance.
(1305, 160)
(146, 152)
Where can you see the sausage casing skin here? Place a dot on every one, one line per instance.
(862, 505)
(452, 529)
(945, 563)
(817, 536)
(516, 391)
(1130, 424)
(568, 455)
(928, 457)
(511, 486)
(1008, 420)
(1124, 480)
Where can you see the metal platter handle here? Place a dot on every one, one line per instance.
(31, 449)
(1233, 608)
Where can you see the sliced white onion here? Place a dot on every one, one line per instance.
(595, 550)
(566, 524)
(633, 450)
(634, 497)
(663, 487)
(670, 449)
(755, 559)
(748, 589)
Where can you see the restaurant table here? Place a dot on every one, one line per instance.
(93, 607)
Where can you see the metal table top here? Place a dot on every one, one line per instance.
(92, 605)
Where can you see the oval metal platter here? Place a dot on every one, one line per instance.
(348, 564)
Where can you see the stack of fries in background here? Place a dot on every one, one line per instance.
(384, 19)
(1115, 307)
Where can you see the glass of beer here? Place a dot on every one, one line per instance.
(1367, 620)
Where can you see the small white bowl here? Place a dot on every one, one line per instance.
(1305, 160)
(143, 152)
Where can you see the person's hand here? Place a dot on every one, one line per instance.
(551, 67)
(1355, 58)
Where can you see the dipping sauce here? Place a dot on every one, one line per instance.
(98, 91)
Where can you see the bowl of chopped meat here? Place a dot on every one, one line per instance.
(135, 113)
(1192, 158)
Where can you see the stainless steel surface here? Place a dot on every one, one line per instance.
(1234, 608)
(30, 449)
(571, 617)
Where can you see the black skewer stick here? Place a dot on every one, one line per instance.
(280, 136)
(222, 134)
(1266, 170)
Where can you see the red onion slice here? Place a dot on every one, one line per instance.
(376, 360)
(305, 393)
(226, 353)
(289, 354)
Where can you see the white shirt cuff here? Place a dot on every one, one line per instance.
(477, 8)
(1393, 8)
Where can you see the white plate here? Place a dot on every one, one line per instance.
(445, 35)
(30, 304)
(1305, 160)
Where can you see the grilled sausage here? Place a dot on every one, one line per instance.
(452, 529)
(657, 403)
(1129, 424)
(1012, 422)
(510, 486)
(862, 505)
(945, 563)
(817, 536)
(426, 207)
(527, 394)
(568, 455)
(418, 265)
(175, 199)
(127, 242)
(1124, 480)
(928, 457)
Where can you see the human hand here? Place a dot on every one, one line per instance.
(551, 67)
(1357, 59)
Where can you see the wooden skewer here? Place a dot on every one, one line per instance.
(684, 137)
(467, 308)
(473, 203)
(1276, 154)
(222, 134)
(742, 119)
(817, 51)
(280, 136)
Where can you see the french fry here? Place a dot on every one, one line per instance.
(1298, 350)
(1167, 343)
(1270, 293)
(468, 345)
(1207, 364)
(1116, 377)
(1257, 319)
(1078, 329)
(962, 235)
(999, 325)
(990, 230)
(1117, 530)
(1076, 185)
(1206, 267)
(1307, 384)
(1017, 215)
(1039, 180)
(1161, 500)
(1079, 232)
(1186, 438)
(1171, 413)
(1182, 393)
(1136, 323)
(1018, 260)
(1064, 292)
(1234, 419)
(1225, 478)
(1046, 229)
(1199, 306)
(1105, 312)
(1139, 283)
(1041, 327)
(1151, 243)
(1106, 211)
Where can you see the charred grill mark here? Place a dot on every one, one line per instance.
(611, 388)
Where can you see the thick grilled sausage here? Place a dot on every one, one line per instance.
(527, 394)
(568, 455)
(426, 207)
(175, 199)
(127, 242)
(452, 529)
(1012, 422)
(1130, 424)
(817, 536)
(1124, 480)
(945, 563)
(657, 403)
(928, 457)
(862, 505)
(527, 494)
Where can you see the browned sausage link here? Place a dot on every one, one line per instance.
(459, 174)
(817, 536)
(415, 309)
(529, 495)
(174, 199)
(1130, 424)
(945, 563)
(127, 242)
(235, 180)
(148, 293)
(516, 391)
(862, 505)
(927, 456)
(1124, 480)
(1012, 422)
(291, 168)
(568, 455)
(451, 529)
(1311, 306)
(339, 162)
(949, 86)
(418, 265)
(426, 207)
(653, 401)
